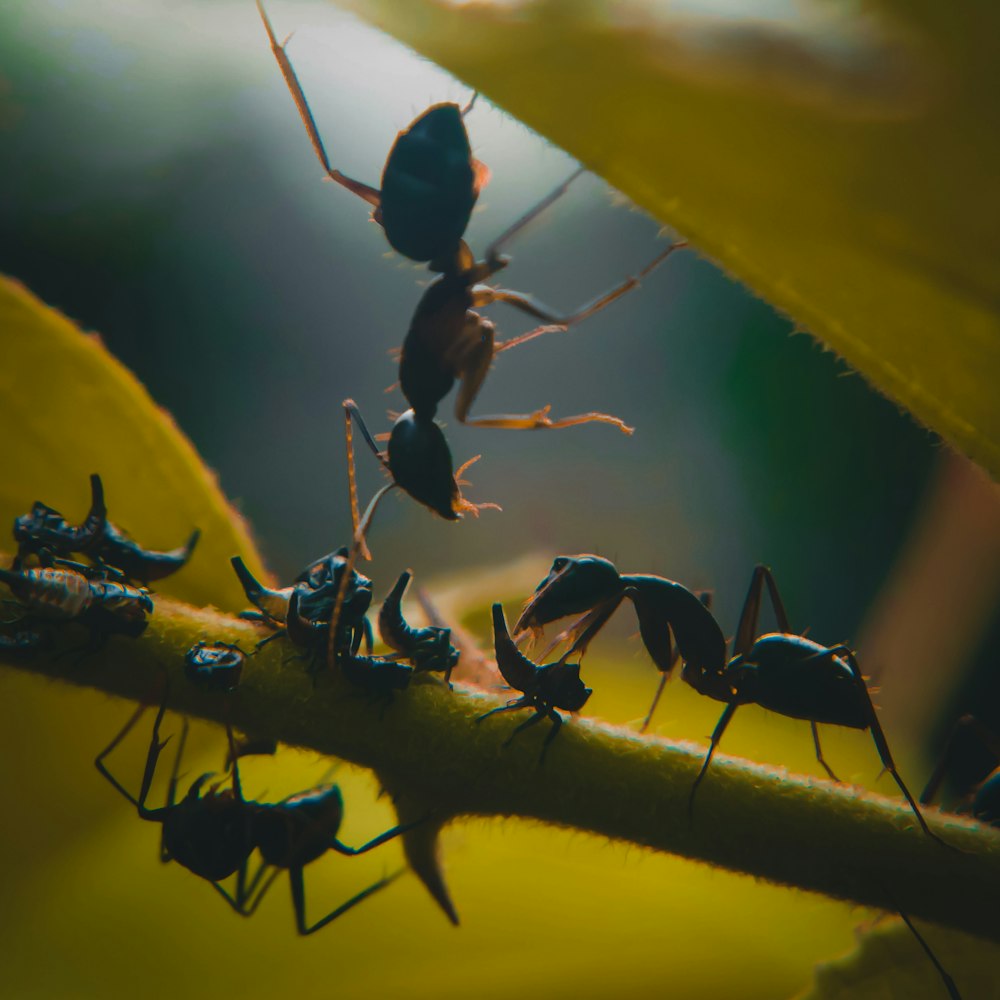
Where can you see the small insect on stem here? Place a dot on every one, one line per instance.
(543, 688)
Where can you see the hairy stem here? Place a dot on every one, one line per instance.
(431, 756)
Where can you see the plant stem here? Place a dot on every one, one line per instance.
(435, 760)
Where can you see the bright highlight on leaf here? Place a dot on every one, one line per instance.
(841, 164)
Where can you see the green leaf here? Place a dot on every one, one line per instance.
(71, 409)
(888, 962)
(843, 165)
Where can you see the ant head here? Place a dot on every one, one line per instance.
(429, 185)
(575, 584)
(559, 684)
(420, 463)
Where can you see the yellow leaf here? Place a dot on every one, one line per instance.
(70, 409)
(844, 166)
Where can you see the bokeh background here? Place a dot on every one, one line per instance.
(157, 187)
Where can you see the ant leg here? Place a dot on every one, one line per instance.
(879, 738)
(965, 723)
(819, 753)
(746, 631)
(165, 855)
(471, 104)
(359, 540)
(509, 707)
(495, 261)
(720, 728)
(367, 193)
(949, 983)
(352, 481)
(382, 838)
(664, 677)
(299, 899)
(557, 722)
(155, 749)
(537, 717)
(528, 304)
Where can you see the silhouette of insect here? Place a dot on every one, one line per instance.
(983, 802)
(74, 592)
(21, 641)
(430, 182)
(213, 830)
(427, 648)
(793, 676)
(46, 533)
(544, 688)
(674, 623)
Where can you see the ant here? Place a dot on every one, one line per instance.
(427, 648)
(984, 801)
(793, 676)
(430, 182)
(544, 688)
(674, 622)
(214, 831)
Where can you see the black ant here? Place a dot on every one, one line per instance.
(214, 831)
(793, 676)
(430, 182)
(674, 622)
(544, 688)
(427, 648)
(46, 533)
(984, 801)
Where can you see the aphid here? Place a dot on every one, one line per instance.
(543, 688)
(72, 592)
(793, 676)
(427, 648)
(213, 830)
(45, 532)
(214, 666)
(430, 182)
(984, 800)
(674, 622)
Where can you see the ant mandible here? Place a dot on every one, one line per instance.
(674, 622)
(793, 676)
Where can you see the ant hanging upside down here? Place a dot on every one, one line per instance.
(213, 830)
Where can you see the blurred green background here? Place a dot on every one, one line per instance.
(158, 188)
